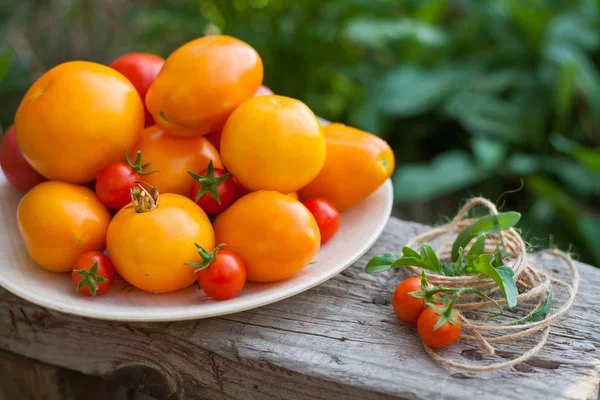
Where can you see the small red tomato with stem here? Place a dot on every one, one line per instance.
(408, 308)
(93, 273)
(16, 169)
(439, 327)
(113, 182)
(213, 189)
(141, 69)
(326, 215)
(221, 273)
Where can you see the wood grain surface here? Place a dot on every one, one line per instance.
(339, 340)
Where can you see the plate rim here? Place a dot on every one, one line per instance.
(261, 302)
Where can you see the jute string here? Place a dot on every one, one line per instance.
(532, 283)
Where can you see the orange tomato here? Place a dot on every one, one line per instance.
(275, 235)
(357, 164)
(76, 119)
(60, 221)
(293, 195)
(172, 157)
(151, 246)
(201, 84)
(141, 69)
(273, 143)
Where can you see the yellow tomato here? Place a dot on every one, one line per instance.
(150, 243)
(202, 82)
(76, 119)
(357, 164)
(172, 157)
(273, 143)
(59, 222)
(275, 235)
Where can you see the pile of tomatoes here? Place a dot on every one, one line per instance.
(173, 171)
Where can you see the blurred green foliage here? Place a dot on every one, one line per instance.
(474, 96)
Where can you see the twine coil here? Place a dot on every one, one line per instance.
(532, 283)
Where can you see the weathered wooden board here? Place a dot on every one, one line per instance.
(338, 340)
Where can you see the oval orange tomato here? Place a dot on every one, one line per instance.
(59, 222)
(201, 84)
(357, 164)
(275, 235)
(273, 143)
(141, 69)
(172, 157)
(150, 249)
(76, 119)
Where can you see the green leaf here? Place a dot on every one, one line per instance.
(379, 32)
(538, 314)
(564, 93)
(380, 263)
(503, 276)
(408, 252)
(477, 249)
(445, 174)
(427, 259)
(586, 156)
(489, 153)
(488, 224)
(410, 90)
(430, 257)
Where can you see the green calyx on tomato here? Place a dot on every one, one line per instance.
(90, 278)
(137, 165)
(208, 182)
(143, 200)
(446, 311)
(207, 257)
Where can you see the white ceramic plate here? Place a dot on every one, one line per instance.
(360, 227)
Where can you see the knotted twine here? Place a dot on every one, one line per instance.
(533, 285)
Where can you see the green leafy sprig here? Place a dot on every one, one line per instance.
(475, 261)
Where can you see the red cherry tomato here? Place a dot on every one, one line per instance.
(141, 69)
(17, 170)
(263, 91)
(407, 307)
(93, 273)
(213, 189)
(326, 215)
(115, 180)
(221, 273)
(444, 336)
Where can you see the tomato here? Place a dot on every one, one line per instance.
(60, 221)
(294, 195)
(221, 273)
(326, 215)
(173, 156)
(218, 74)
(16, 169)
(93, 273)
(151, 242)
(215, 139)
(213, 189)
(275, 235)
(76, 119)
(444, 336)
(263, 91)
(357, 164)
(114, 182)
(273, 143)
(407, 307)
(141, 69)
